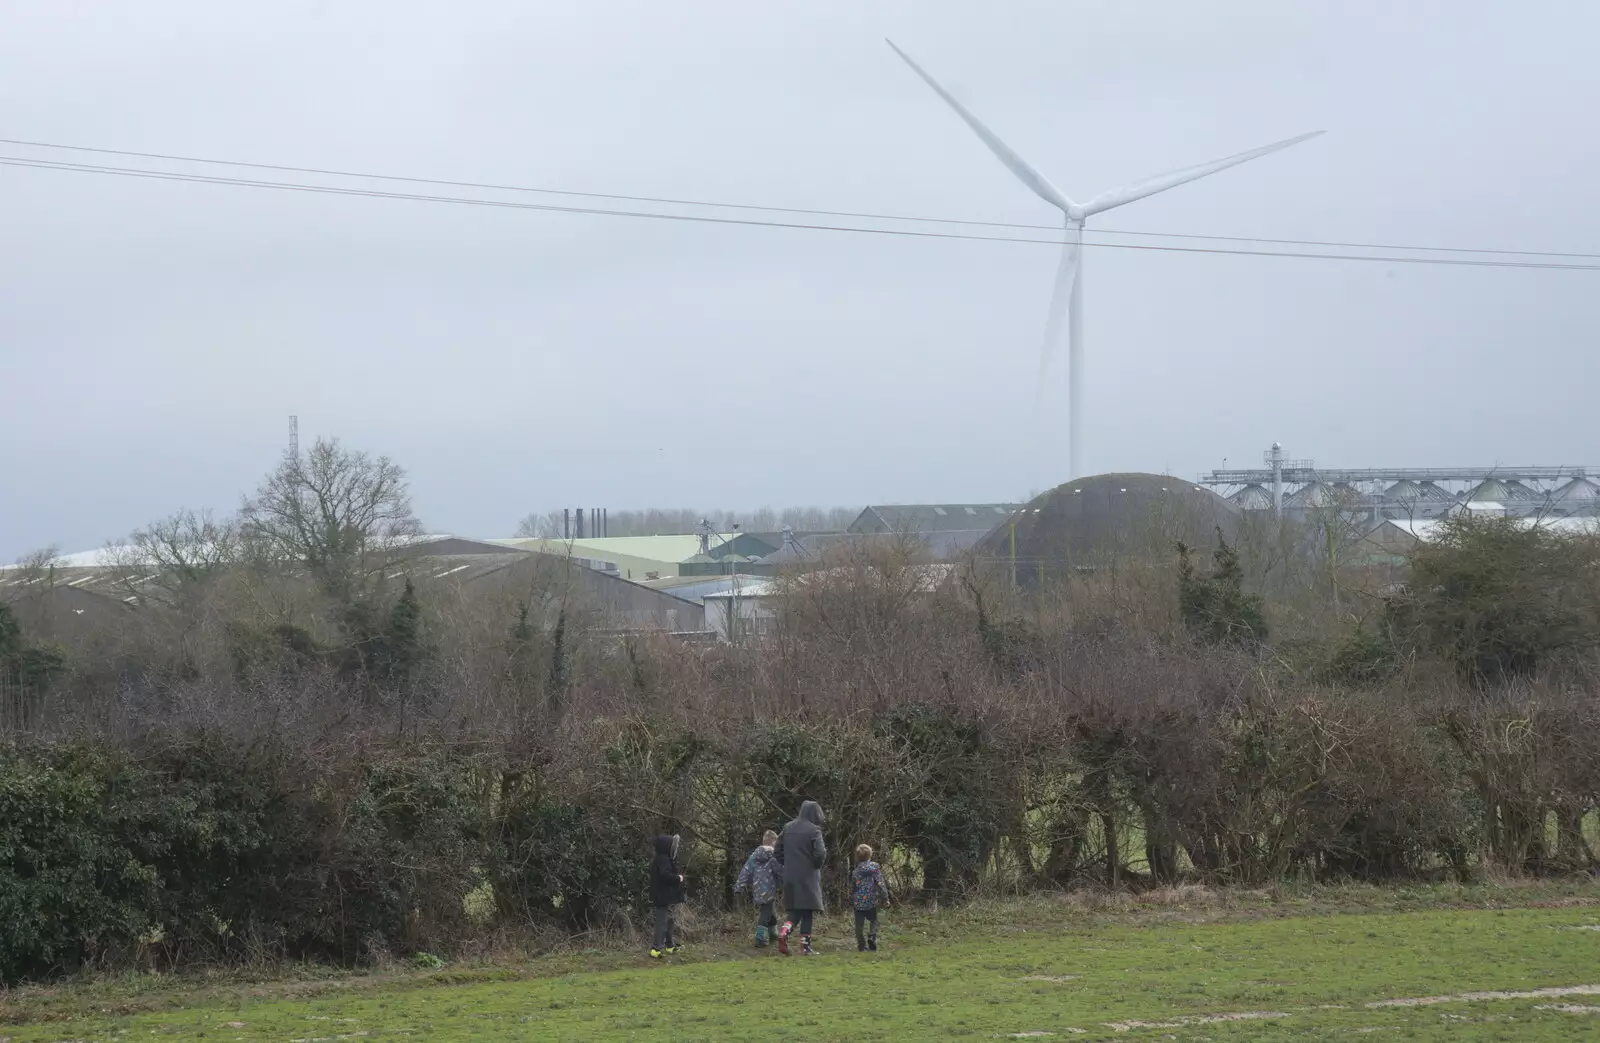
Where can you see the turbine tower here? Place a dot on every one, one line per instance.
(1067, 298)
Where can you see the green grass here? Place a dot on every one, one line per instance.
(1075, 968)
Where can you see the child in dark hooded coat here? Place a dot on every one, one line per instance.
(666, 891)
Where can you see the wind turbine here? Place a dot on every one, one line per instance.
(1069, 281)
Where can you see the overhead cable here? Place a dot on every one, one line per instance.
(342, 190)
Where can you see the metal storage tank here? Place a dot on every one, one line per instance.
(1491, 490)
(1252, 498)
(1579, 496)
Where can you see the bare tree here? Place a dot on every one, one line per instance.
(546, 526)
(36, 562)
(338, 513)
(173, 558)
(37, 569)
(1336, 523)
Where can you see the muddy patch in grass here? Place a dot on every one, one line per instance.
(1479, 997)
(1198, 1019)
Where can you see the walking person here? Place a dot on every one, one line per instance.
(760, 877)
(869, 892)
(666, 892)
(802, 852)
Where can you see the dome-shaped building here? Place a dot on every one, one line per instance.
(1109, 518)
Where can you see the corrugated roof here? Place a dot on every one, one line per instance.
(666, 549)
(712, 559)
(1428, 529)
(949, 544)
(932, 517)
(88, 559)
(100, 580)
(123, 555)
(748, 588)
(695, 588)
(460, 568)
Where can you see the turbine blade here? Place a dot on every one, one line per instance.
(1066, 275)
(1037, 182)
(1161, 182)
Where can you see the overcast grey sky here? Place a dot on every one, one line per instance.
(154, 336)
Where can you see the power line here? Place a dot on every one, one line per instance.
(163, 175)
(1326, 244)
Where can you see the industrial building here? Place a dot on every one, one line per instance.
(1392, 540)
(77, 592)
(948, 530)
(697, 559)
(1299, 489)
(648, 558)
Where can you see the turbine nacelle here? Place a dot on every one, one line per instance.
(1069, 287)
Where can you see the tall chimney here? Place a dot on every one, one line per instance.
(579, 512)
(1276, 459)
(605, 521)
(566, 523)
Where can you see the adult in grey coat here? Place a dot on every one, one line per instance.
(801, 852)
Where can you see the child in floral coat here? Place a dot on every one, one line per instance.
(760, 877)
(869, 892)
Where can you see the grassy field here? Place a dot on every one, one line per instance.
(1444, 963)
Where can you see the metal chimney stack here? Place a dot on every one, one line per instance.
(1275, 458)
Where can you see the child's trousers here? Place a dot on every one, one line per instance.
(664, 925)
(863, 918)
(767, 914)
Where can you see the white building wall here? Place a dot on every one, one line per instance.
(753, 614)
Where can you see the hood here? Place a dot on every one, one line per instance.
(763, 855)
(667, 845)
(811, 812)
